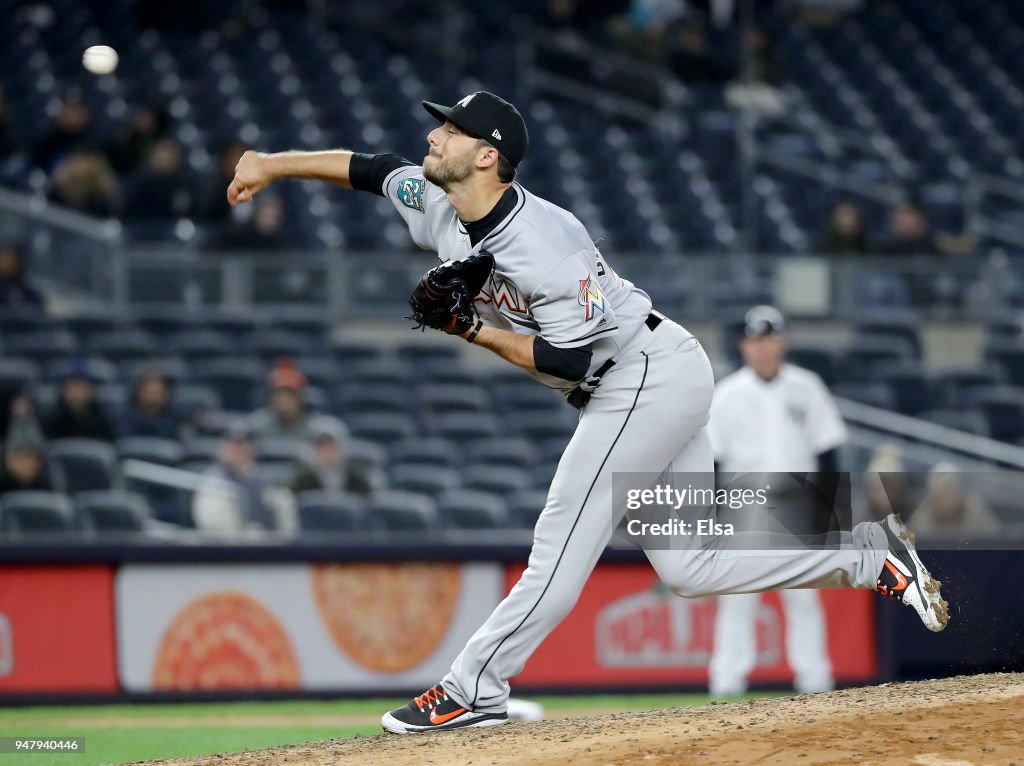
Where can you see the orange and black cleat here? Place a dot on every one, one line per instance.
(905, 579)
(434, 710)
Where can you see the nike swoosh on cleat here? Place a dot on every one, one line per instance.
(439, 719)
(901, 581)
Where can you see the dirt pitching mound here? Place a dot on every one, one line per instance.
(964, 721)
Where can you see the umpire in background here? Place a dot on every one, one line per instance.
(772, 416)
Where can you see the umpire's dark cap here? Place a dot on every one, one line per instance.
(763, 320)
(488, 117)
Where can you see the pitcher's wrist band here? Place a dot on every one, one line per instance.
(476, 331)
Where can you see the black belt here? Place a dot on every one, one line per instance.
(580, 395)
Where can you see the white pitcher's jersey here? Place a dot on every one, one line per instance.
(549, 278)
(780, 425)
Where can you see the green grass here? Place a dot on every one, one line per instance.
(127, 741)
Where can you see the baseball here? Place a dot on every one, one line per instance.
(100, 59)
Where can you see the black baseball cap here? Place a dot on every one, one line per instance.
(763, 320)
(489, 117)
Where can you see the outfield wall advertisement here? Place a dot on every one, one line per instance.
(628, 629)
(292, 626)
(57, 629)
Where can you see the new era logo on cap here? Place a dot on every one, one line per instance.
(485, 115)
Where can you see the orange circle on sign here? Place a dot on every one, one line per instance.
(225, 640)
(387, 617)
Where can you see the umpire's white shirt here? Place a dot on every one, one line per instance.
(778, 425)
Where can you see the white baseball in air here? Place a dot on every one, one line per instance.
(100, 59)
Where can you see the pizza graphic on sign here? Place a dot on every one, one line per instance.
(387, 617)
(225, 640)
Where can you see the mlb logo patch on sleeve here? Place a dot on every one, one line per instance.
(410, 193)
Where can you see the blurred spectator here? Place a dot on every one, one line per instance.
(77, 413)
(211, 198)
(286, 415)
(150, 412)
(909, 233)
(70, 133)
(261, 232)
(642, 30)
(85, 182)
(845, 231)
(161, 190)
(6, 139)
(133, 140)
(234, 497)
(949, 507)
(20, 423)
(23, 466)
(571, 14)
(16, 294)
(885, 486)
(330, 467)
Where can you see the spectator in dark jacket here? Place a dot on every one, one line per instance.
(85, 182)
(77, 413)
(23, 467)
(150, 412)
(132, 141)
(160, 192)
(211, 204)
(330, 468)
(70, 133)
(16, 294)
(845, 231)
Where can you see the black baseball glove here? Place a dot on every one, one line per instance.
(443, 299)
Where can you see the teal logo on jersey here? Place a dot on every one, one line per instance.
(410, 193)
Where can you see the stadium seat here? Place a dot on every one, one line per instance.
(424, 450)
(494, 479)
(816, 359)
(30, 513)
(462, 426)
(233, 378)
(867, 351)
(424, 479)
(954, 386)
(469, 509)
(874, 394)
(909, 384)
(1008, 354)
(1003, 408)
(898, 326)
(525, 506)
(329, 511)
(270, 345)
(123, 345)
(397, 511)
(150, 449)
(106, 511)
(380, 427)
(100, 370)
(451, 398)
(970, 420)
(42, 346)
(539, 425)
(15, 373)
(83, 464)
(510, 452)
(380, 398)
(196, 345)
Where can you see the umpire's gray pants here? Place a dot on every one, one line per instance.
(648, 416)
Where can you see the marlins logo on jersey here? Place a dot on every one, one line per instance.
(501, 291)
(591, 298)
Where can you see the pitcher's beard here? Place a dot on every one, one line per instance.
(447, 172)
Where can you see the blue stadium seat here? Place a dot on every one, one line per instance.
(329, 511)
(150, 449)
(424, 479)
(83, 464)
(113, 511)
(495, 479)
(381, 427)
(451, 398)
(42, 346)
(469, 510)
(397, 511)
(233, 378)
(816, 359)
(1003, 408)
(970, 420)
(525, 506)
(123, 345)
(502, 451)
(462, 426)
(30, 513)
(431, 451)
